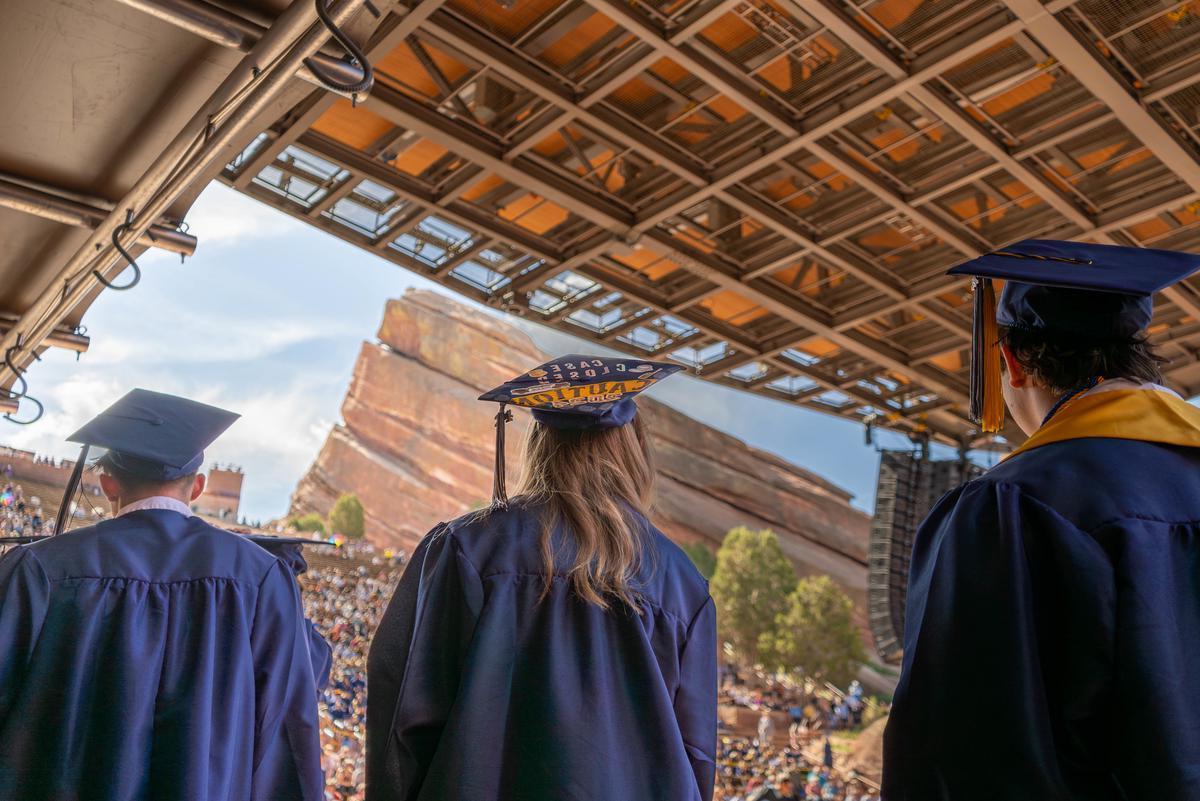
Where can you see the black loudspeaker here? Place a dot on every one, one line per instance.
(907, 489)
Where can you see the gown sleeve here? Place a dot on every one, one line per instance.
(320, 652)
(1001, 590)
(696, 699)
(287, 749)
(319, 649)
(24, 595)
(415, 664)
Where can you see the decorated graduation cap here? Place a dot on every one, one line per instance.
(1068, 290)
(150, 435)
(574, 392)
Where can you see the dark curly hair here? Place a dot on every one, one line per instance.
(1061, 364)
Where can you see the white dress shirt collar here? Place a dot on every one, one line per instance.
(157, 502)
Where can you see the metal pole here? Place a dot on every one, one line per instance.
(42, 201)
(271, 63)
(228, 29)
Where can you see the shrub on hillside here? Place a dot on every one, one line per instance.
(750, 586)
(816, 635)
(346, 517)
(311, 522)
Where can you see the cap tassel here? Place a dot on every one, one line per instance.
(499, 490)
(987, 399)
(64, 509)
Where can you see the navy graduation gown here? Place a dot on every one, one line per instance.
(478, 690)
(154, 656)
(1052, 639)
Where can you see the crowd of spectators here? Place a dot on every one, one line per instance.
(750, 770)
(21, 516)
(812, 709)
(345, 594)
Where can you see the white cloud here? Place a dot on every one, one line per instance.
(221, 217)
(192, 336)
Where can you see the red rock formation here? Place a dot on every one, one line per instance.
(417, 448)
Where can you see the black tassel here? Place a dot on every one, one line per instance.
(499, 490)
(64, 509)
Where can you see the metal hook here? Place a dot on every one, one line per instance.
(37, 415)
(356, 55)
(23, 392)
(116, 240)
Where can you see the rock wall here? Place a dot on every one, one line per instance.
(417, 448)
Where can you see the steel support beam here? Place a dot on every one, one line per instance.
(48, 203)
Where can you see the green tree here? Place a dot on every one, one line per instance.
(750, 586)
(702, 557)
(309, 522)
(816, 634)
(346, 517)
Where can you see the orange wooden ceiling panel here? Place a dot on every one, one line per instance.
(551, 146)
(669, 71)
(818, 347)
(481, 188)
(1020, 94)
(950, 362)
(648, 263)
(730, 32)
(729, 111)
(587, 33)
(533, 213)
(732, 308)
(805, 276)
(511, 21)
(1155, 226)
(891, 13)
(419, 157)
(884, 238)
(635, 92)
(354, 127)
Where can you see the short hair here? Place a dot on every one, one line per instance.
(1062, 364)
(134, 483)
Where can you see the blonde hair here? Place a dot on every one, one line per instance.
(594, 484)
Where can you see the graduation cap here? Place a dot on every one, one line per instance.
(25, 540)
(150, 435)
(574, 392)
(1068, 290)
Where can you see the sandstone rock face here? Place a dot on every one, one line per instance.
(417, 448)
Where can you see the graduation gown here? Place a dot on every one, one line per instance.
(154, 656)
(478, 691)
(1052, 637)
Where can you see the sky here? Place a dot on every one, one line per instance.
(267, 318)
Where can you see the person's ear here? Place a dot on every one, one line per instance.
(1015, 373)
(110, 488)
(197, 486)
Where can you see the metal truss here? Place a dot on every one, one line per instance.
(769, 191)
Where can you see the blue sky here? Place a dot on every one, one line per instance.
(267, 319)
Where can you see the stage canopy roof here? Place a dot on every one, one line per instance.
(768, 191)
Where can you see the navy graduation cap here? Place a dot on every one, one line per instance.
(150, 435)
(574, 392)
(1079, 290)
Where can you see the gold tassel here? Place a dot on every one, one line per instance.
(987, 399)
